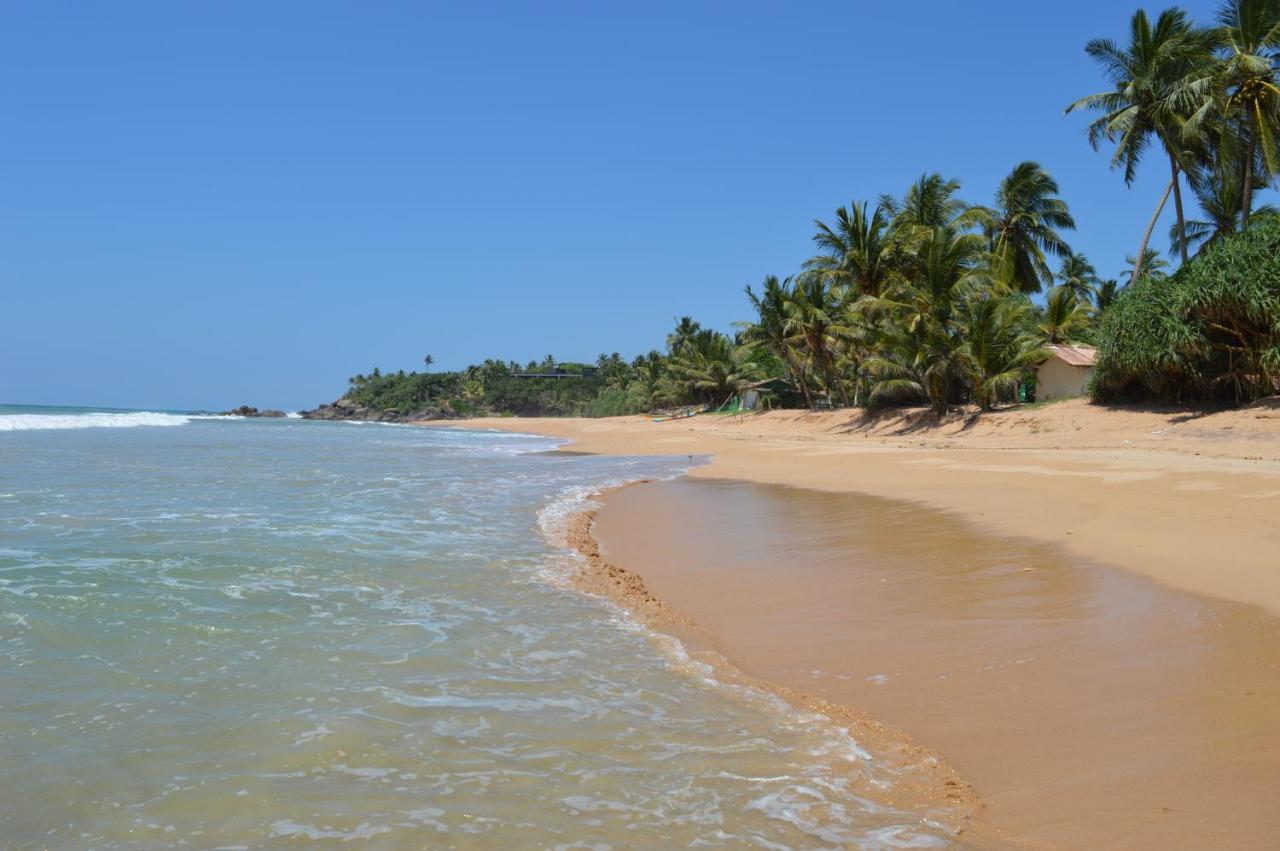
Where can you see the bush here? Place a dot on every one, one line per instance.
(615, 402)
(401, 391)
(1211, 332)
(501, 392)
(533, 397)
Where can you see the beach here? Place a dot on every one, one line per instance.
(1075, 608)
(436, 425)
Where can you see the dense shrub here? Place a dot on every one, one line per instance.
(546, 397)
(1211, 332)
(401, 391)
(615, 402)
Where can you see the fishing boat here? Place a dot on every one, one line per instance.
(679, 414)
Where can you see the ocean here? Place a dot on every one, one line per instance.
(244, 633)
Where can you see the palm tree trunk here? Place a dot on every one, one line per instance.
(1177, 205)
(1142, 249)
(1248, 169)
(843, 387)
(802, 379)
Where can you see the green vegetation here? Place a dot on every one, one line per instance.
(1211, 331)
(925, 298)
(492, 386)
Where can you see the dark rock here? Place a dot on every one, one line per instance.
(247, 411)
(346, 409)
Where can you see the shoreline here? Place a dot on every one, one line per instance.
(1188, 527)
(1073, 699)
(1155, 493)
(925, 782)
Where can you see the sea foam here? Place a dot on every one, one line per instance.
(364, 609)
(37, 422)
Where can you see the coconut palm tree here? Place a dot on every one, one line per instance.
(682, 337)
(1078, 274)
(710, 368)
(1065, 317)
(999, 347)
(648, 372)
(918, 341)
(1024, 226)
(817, 318)
(1152, 265)
(930, 202)
(855, 251)
(1159, 79)
(770, 331)
(1250, 33)
(1220, 199)
(1104, 294)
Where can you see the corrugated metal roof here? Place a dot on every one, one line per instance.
(1076, 355)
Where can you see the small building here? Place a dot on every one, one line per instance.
(1065, 373)
(563, 370)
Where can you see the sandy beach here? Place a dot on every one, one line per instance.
(1076, 608)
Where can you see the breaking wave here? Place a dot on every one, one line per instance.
(40, 422)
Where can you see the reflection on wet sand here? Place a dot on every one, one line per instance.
(1089, 706)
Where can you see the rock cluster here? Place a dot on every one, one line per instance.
(345, 409)
(246, 411)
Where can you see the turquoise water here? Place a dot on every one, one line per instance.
(248, 633)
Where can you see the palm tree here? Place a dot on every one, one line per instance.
(1152, 263)
(1159, 79)
(930, 202)
(682, 337)
(855, 251)
(1024, 226)
(1104, 294)
(999, 348)
(770, 330)
(709, 368)
(1078, 274)
(427, 361)
(1250, 33)
(918, 346)
(1218, 193)
(1065, 316)
(816, 316)
(648, 370)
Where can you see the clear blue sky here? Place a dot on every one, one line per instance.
(204, 204)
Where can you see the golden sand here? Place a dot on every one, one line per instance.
(977, 603)
(1089, 707)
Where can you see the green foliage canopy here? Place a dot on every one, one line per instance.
(1209, 332)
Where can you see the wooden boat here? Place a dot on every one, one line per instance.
(679, 414)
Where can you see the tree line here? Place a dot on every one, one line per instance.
(927, 298)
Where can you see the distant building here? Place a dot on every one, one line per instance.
(563, 370)
(1066, 372)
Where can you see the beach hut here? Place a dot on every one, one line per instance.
(1065, 373)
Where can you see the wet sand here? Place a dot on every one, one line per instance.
(1120, 694)
(1190, 501)
(923, 782)
(1088, 706)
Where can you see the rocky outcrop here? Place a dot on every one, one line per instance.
(246, 411)
(346, 409)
